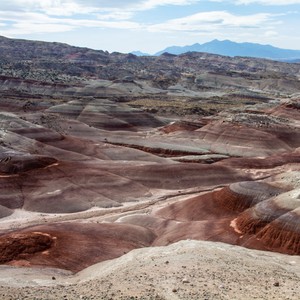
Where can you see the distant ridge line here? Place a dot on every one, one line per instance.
(229, 48)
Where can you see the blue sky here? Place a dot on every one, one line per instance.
(152, 25)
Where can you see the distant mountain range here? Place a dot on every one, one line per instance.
(229, 48)
(139, 53)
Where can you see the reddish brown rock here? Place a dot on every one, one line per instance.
(10, 163)
(269, 162)
(19, 246)
(282, 234)
(288, 110)
(253, 220)
(71, 247)
(226, 202)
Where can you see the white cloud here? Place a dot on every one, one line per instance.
(37, 16)
(72, 7)
(26, 17)
(20, 17)
(115, 15)
(149, 4)
(269, 2)
(98, 9)
(102, 4)
(62, 8)
(25, 28)
(271, 33)
(114, 10)
(209, 21)
(102, 24)
(31, 23)
(50, 7)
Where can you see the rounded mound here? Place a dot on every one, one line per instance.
(249, 193)
(256, 218)
(283, 234)
(225, 202)
(71, 246)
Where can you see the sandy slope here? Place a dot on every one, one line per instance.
(185, 270)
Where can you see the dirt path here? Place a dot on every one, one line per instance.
(23, 219)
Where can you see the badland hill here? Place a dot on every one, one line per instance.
(105, 156)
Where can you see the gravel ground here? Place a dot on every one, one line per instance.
(185, 270)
